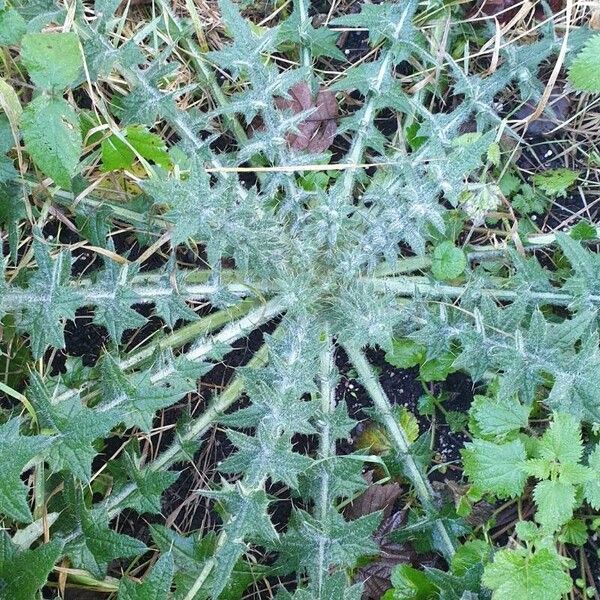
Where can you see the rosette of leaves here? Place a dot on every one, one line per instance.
(331, 267)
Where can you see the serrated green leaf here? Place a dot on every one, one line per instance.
(96, 544)
(584, 73)
(555, 502)
(51, 300)
(555, 182)
(519, 575)
(16, 452)
(23, 574)
(52, 137)
(116, 154)
(138, 397)
(448, 262)
(12, 27)
(77, 426)
(53, 60)
(499, 416)
(591, 487)
(495, 468)
(561, 442)
(150, 484)
(156, 584)
(405, 353)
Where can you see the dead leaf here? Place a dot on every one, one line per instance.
(375, 497)
(317, 131)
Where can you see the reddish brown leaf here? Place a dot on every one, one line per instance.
(317, 131)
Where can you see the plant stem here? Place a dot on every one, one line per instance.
(418, 479)
(228, 334)
(411, 286)
(326, 445)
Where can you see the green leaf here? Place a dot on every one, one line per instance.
(77, 425)
(53, 138)
(405, 353)
(520, 575)
(116, 154)
(561, 442)
(495, 416)
(315, 545)
(448, 261)
(137, 395)
(555, 182)
(583, 231)
(113, 303)
(190, 555)
(437, 369)
(23, 574)
(496, 468)
(12, 27)
(584, 74)
(591, 487)
(150, 484)
(156, 584)
(247, 519)
(574, 532)
(411, 584)
(97, 545)
(16, 452)
(53, 60)
(265, 453)
(51, 300)
(555, 502)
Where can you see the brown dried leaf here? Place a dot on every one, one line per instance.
(375, 497)
(317, 131)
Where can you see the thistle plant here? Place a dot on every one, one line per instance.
(363, 260)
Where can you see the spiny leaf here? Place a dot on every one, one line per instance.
(156, 584)
(49, 300)
(137, 396)
(16, 452)
(23, 574)
(78, 427)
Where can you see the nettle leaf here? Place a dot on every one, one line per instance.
(592, 486)
(555, 502)
(555, 182)
(448, 262)
(496, 468)
(156, 584)
(50, 300)
(53, 60)
(24, 573)
(16, 452)
(584, 73)
(12, 27)
(52, 137)
(77, 426)
(138, 397)
(523, 575)
(497, 417)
